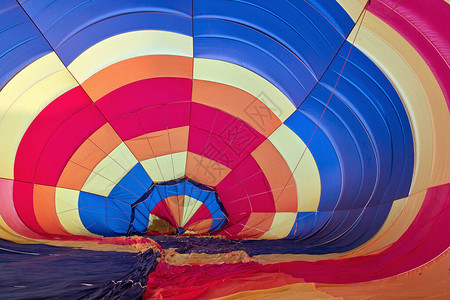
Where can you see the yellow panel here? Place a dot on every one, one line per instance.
(354, 8)
(166, 167)
(66, 202)
(242, 78)
(190, 207)
(421, 95)
(281, 226)
(304, 169)
(23, 98)
(129, 45)
(110, 171)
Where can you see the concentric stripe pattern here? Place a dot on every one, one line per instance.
(245, 119)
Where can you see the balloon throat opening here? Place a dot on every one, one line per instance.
(177, 207)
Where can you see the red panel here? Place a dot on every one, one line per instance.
(256, 185)
(177, 114)
(8, 210)
(155, 118)
(144, 93)
(203, 116)
(234, 133)
(230, 140)
(162, 211)
(211, 281)
(127, 126)
(235, 202)
(201, 214)
(42, 129)
(211, 146)
(65, 141)
(47, 146)
(23, 202)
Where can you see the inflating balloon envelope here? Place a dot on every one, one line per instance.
(311, 135)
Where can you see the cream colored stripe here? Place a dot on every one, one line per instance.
(429, 117)
(281, 226)
(23, 98)
(244, 79)
(166, 167)
(66, 203)
(129, 45)
(110, 171)
(421, 95)
(353, 7)
(190, 207)
(304, 169)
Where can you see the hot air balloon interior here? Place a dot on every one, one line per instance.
(224, 149)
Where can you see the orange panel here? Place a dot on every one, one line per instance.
(257, 225)
(237, 103)
(175, 204)
(135, 69)
(278, 175)
(73, 176)
(87, 156)
(45, 211)
(204, 170)
(106, 138)
(200, 227)
(159, 143)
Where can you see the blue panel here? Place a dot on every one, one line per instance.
(92, 213)
(103, 216)
(365, 130)
(71, 27)
(132, 186)
(118, 216)
(340, 221)
(345, 148)
(371, 219)
(20, 41)
(325, 156)
(307, 223)
(113, 215)
(373, 85)
(255, 51)
(288, 43)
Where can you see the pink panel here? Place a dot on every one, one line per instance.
(8, 211)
